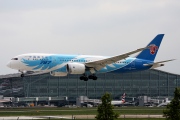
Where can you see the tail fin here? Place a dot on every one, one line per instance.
(150, 54)
(123, 97)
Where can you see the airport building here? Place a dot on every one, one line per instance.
(151, 83)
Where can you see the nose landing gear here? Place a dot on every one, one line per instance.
(22, 75)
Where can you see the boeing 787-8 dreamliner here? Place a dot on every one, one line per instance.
(88, 66)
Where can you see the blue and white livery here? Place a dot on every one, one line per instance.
(88, 66)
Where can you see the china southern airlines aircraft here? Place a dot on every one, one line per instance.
(87, 65)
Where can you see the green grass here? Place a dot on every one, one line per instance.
(75, 111)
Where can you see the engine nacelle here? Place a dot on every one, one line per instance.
(55, 73)
(76, 68)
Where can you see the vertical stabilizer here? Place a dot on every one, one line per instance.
(123, 97)
(150, 53)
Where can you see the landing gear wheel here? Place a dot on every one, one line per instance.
(83, 78)
(22, 75)
(94, 78)
(90, 77)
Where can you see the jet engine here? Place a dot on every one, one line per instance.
(76, 68)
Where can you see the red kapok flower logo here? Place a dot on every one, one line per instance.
(153, 48)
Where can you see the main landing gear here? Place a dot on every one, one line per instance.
(85, 78)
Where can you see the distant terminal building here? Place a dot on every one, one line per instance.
(151, 83)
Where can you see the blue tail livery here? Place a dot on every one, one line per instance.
(150, 54)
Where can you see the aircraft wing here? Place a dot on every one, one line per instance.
(99, 64)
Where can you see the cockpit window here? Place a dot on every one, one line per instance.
(14, 59)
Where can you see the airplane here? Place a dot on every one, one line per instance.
(164, 103)
(88, 66)
(119, 102)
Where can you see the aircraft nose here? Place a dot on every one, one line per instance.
(9, 64)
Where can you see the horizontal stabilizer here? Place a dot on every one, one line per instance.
(157, 64)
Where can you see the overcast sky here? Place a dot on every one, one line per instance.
(93, 27)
